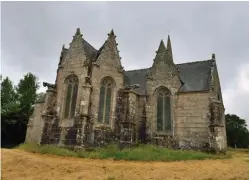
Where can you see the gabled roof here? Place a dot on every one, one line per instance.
(99, 52)
(138, 76)
(90, 51)
(195, 76)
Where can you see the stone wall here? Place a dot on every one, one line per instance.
(97, 75)
(74, 62)
(51, 130)
(152, 86)
(107, 65)
(141, 120)
(217, 131)
(217, 108)
(192, 120)
(35, 125)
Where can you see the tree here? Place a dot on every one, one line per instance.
(237, 132)
(26, 90)
(9, 103)
(16, 107)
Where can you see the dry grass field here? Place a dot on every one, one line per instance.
(18, 164)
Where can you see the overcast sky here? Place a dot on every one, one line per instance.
(32, 34)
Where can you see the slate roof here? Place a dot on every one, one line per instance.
(99, 51)
(137, 77)
(91, 52)
(195, 76)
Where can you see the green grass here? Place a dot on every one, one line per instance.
(47, 149)
(141, 153)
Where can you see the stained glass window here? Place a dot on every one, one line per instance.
(71, 96)
(163, 110)
(105, 97)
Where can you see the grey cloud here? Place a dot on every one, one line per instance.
(33, 33)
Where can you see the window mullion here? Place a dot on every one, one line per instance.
(70, 102)
(163, 112)
(104, 109)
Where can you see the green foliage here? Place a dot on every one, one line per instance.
(16, 107)
(17, 102)
(10, 105)
(26, 90)
(237, 132)
(141, 153)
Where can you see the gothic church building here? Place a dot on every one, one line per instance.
(95, 101)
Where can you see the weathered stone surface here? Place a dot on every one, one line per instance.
(196, 112)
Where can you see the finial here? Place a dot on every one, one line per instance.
(77, 34)
(168, 42)
(112, 33)
(161, 47)
(169, 48)
(213, 56)
(78, 31)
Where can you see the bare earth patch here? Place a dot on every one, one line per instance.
(20, 165)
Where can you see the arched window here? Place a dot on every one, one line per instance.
(105, 96)
(163, 110)
(71, 96)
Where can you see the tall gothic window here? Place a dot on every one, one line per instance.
(163, 110)
(105, 96)
(71, 96)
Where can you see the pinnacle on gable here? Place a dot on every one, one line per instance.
(161, 47)
(168, 42)
(112, 33)
(78, 32)
(169, 48)
(213, 56)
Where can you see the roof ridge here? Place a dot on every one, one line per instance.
(193, 62)
(137, 69)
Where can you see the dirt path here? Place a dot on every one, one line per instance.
(20, 165)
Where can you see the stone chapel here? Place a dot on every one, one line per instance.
(94, 101)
